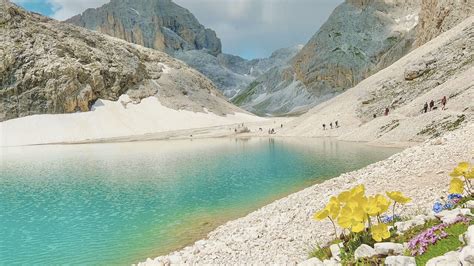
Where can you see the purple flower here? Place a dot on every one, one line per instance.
(419, 244)
(437, 207)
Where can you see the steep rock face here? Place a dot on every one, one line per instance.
(359, 38)
(438, 16)
(53, 67)
(158, 24)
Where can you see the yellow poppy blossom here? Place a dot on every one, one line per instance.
(380, 232)
(397, 196)
(344, 196)
(460, 170)
(357, 191)
(456, 186)
(353, 219)
(382, 202)
(321, 215)
(333, 207)
(469, 174)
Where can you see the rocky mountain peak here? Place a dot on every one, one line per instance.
(158, 24)
(51, 67)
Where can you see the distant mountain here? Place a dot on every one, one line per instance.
(232, 73)
(359, 38)
(168, 27)
(51, 67)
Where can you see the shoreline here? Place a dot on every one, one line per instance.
(284, 232)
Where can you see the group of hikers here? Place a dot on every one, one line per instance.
(336, 124)
(271, 131)
(432, 106)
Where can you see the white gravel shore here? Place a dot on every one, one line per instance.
(284, 231)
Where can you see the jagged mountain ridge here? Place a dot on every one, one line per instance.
(52, 67)
(359, 38)
(168, 27)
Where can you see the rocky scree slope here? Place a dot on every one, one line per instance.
(168, 27)
(358, 39)
(53, 67)
(442, 67)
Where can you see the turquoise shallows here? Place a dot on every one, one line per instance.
(121, 203)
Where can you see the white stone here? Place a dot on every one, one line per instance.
(402, 227)
(448, 259)
(336, 251)
(470, 204)
(364, 251)
(469, 236)
(467, 255)
(400, 260)
(331, 262)
(311, 262)
(388, 248)
(454, 212)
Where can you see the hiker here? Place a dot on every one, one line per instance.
(324, 126)
(337, 124)
(235, 130)
(425, 107)
(431, 105)
(443, 102)
(375, 116)
(386, 111)
(330, 124)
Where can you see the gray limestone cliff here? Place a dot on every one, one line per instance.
(51, 67)
(158, 24)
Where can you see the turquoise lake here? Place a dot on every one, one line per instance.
(120, 203)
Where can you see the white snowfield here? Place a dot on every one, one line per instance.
(110, 119)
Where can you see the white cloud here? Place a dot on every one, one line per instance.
(69, 8)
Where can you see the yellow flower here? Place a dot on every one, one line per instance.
(355, 192)
(376, 205)
(470, 174)
(460, 170)
(382, 202)
(333, 207)
(352, 218)
(456, 186)
(321, 215)
(397, 196)
(380, 232)
(344, 196)
(358, 191)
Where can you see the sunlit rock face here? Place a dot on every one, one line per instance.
(51, 67)
(158, 24)
(438, 16)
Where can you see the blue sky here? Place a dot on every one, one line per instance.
(248, 28)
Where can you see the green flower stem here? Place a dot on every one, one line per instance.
(334, 225)
(393, 210)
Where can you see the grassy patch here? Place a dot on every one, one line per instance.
(244, 96)
(437, 127)
(445, 245)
